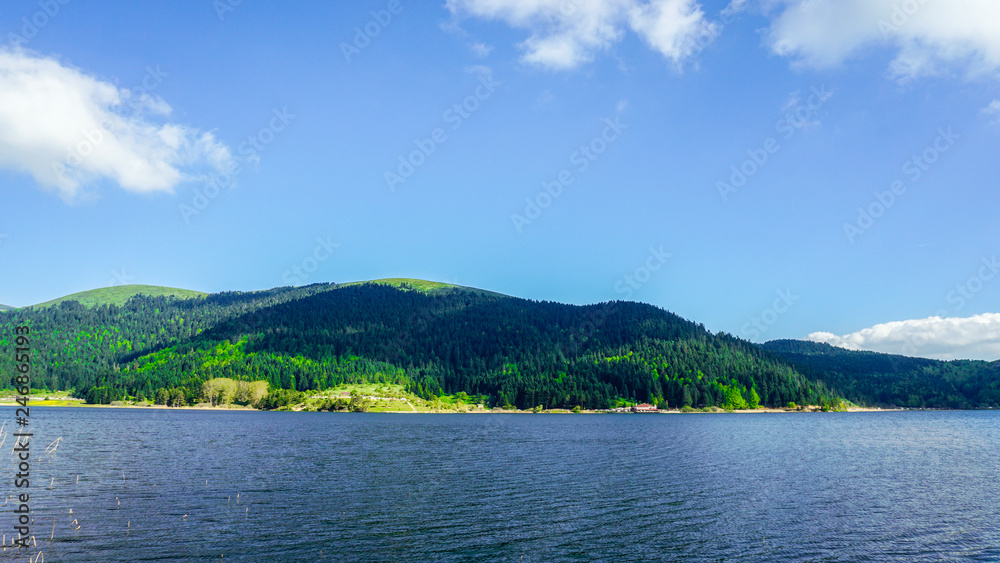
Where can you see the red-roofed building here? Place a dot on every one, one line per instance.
(645, 407)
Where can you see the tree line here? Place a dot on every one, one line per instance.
(516, 352)
(871, 378)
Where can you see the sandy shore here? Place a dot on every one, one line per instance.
(64, 402)
(72, 403)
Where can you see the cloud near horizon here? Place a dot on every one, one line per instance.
(970, 338)
(928, 37)
(567, 33)
(69, 130)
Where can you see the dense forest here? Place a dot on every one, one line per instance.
(871, 378)
(516, 352)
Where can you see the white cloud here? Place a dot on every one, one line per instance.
(976, 338)
(68, 129)
(734, 7)
(567, 33)
(675, 28)
(993, 110)
(927, 36)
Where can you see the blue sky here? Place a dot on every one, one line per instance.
(713, 155)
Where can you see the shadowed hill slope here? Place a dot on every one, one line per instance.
(873, 378)
(433, 338)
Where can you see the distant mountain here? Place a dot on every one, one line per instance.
(873, 378)
(120, 294)
(436, 339)
(6, 307)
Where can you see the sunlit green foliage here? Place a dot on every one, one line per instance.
(438, 342)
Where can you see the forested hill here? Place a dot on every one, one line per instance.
(889, 380)
(433, 338)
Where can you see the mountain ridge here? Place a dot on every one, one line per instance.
(438, 339)
(119, 295)
(875, 378)
(435, 339)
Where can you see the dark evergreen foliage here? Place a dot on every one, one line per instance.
(515, 351)
(871, 378)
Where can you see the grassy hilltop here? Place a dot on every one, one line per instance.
(120, 294)
(431, 339)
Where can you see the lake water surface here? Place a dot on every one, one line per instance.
(156, 485)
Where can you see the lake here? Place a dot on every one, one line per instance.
(160, 485)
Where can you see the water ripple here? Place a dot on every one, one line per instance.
(180, 486)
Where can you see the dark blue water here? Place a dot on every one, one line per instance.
(255, 486)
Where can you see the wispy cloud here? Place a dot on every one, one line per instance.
(734, 7)
(928, 37)
(976, 338)
(481, 50)
(69, 130)
(481, 70)
(567, 33)
(544, 99)
(993, 111)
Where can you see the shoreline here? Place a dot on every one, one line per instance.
(78, 403)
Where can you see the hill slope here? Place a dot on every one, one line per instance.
(120, 294)
(890, 380)
(432, 338)
(6, 308)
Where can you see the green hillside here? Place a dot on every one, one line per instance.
(433, 339)
(872, 378)
(120, 294)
